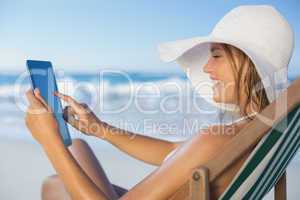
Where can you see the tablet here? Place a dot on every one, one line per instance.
(42, 77)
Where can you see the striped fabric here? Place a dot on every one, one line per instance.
(268, 161)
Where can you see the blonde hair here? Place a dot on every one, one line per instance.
(253, 85)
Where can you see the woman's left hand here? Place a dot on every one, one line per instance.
(40, 120)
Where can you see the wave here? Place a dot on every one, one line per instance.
(106, 89)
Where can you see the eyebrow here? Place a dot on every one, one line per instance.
(214, 49)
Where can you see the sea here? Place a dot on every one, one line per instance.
(159, 105)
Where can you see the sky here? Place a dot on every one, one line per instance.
(85, 35)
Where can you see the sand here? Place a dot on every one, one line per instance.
(24, 166)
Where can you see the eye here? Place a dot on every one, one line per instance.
(216, 54)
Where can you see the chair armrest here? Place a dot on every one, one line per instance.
(199, 184)
(196, 188)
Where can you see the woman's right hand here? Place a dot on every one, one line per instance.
(80, 116)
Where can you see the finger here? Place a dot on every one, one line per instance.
(82, 127)
(74, 104)
(86, 107)
(37, 94)
(68, 112)
(33, 109)
(33, 101)
(73, 121)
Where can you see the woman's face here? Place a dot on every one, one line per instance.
(219, 69)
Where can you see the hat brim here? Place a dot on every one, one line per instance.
(192, 54)
(170, 51)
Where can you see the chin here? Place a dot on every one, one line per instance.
(222, 96)
(217, 99)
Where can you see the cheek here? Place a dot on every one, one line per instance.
(227, 92)
(226, 73)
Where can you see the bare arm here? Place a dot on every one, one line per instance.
(147, 149)
(160, 184)
(39, 117)
(77, 183)
(176, 171)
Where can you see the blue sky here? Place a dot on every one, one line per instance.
(87, 35)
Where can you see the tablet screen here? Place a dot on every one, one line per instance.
(42, 77)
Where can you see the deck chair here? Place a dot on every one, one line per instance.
(274, 147)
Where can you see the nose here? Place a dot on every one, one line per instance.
(208, 68)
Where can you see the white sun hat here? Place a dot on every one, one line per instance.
(260, 31)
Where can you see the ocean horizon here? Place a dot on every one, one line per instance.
(159, 105)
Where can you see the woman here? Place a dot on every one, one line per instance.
(239, 72)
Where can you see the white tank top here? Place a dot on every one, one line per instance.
(235, 121)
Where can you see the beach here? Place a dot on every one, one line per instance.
(169, 70)
(24, 166)
(169, 114)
